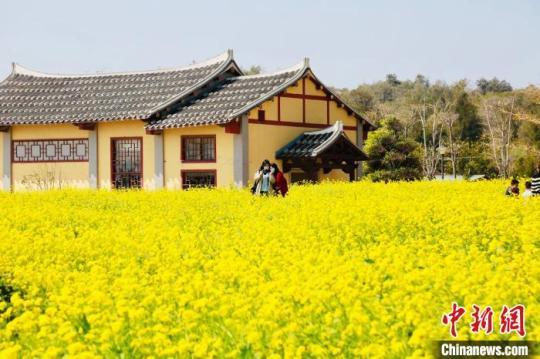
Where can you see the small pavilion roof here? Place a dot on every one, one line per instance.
(313, 144)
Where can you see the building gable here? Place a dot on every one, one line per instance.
(307, 103)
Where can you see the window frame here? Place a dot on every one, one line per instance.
(183, 148)
(185, 172)
(43, 148)
(111, 161)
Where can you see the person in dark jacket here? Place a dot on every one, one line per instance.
(280, 184)
(513, 189)
(535, 182)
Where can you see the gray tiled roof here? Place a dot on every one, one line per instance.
(201, 94)
(313, 143)
(229, 99)
(28, 97)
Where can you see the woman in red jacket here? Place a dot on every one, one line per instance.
(280, 184)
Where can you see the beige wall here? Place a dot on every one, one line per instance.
(55, 174)
(224, 155)
(75, 174)
(291, 110)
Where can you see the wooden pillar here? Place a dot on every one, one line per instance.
(360, 144)
(159, 161)
(91, 127)
(6, 159)
(159, 177)
(93, 158)
(351, 175)
(240, 153)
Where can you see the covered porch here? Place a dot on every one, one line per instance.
(328, 149)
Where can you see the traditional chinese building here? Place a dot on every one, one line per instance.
(204, 124)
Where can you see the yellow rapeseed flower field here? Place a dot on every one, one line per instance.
(333, 270)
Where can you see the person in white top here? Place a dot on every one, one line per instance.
(528, 191)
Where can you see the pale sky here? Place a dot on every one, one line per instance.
(348, 42)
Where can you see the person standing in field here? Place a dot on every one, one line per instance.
(535, 182)
(280, 186)
(513, 189)
(264, 179)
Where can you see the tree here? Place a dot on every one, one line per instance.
(474, 159)
(391, 156)
(253, 70)
(469, 122)
(392, 80)
(361, 99)
(498, 115)
(493, 85)
(453, 97)
(463, 123)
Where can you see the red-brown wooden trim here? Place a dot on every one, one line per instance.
(87, 126)
(304, 96)
(111, 159)
(304, 99)
(182, 146)
(153, 132)
(328, 112)
(214, 171)
(296, 124)
(233, 127)
(13, 140)
(49, 139)
(4, 128)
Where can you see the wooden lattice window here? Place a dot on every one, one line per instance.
(57, 150)
(198, 178)
(198, 148)
(127, 162)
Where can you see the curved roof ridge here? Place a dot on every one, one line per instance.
(337, 126)
(223, 57)
(336, 130)
(298, 66)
